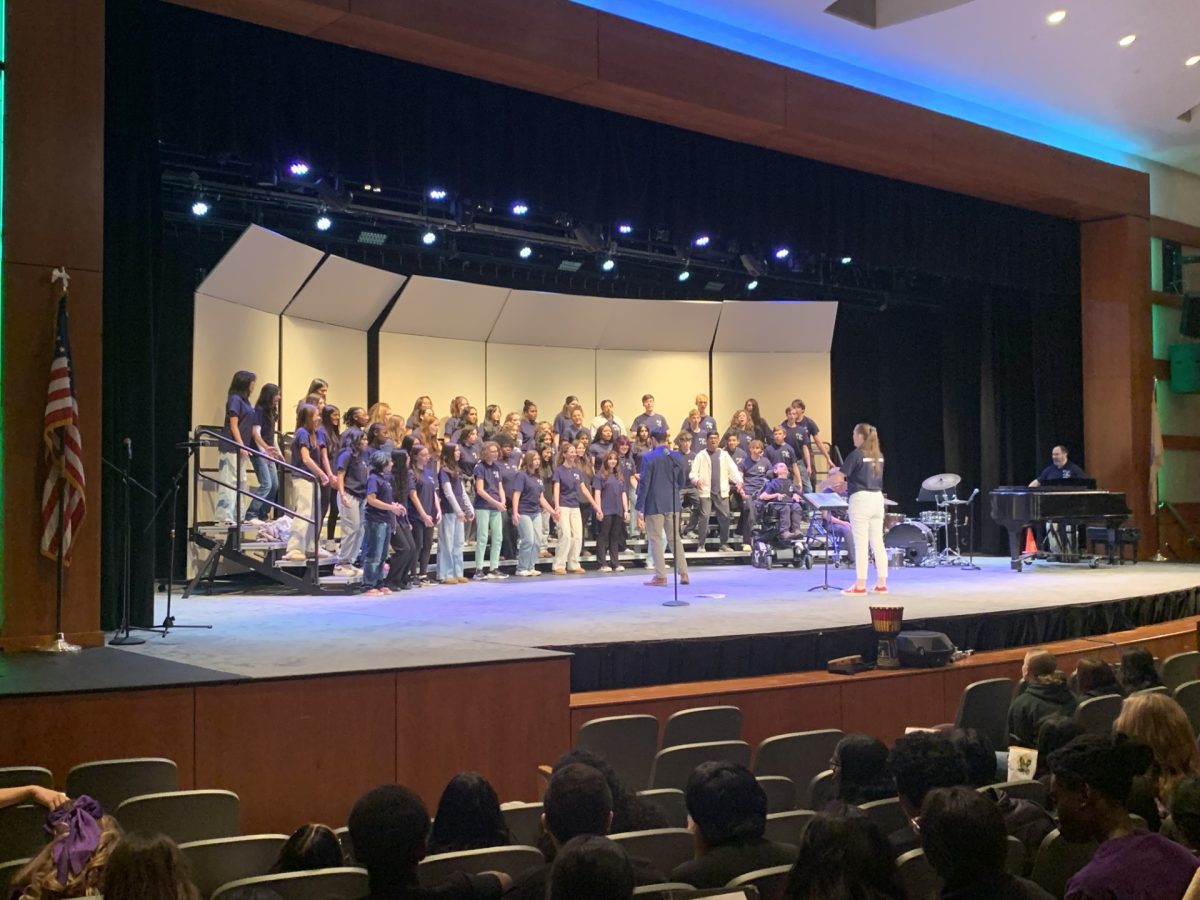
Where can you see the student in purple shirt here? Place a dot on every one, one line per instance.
(687, 495)
(468, 442)
(509, 462)
(575, 429)
(809, 432)
(352, 474)
(609, 418)
(528, 504)
(330, 439)
(489, 512)
(424, 510)
(740, 425)
(655, 424)
(451, 425)
(570, 488)
(1092, 779)
(733, 446)
(602, 444)
(613, 513)
(262, 434)
(629, 474)
(783, 490)
(529, 418)
(563, 419)
(707, 422)
(239, 418)
(381, 510)
(305, 455)
(455, 512)
(778, 451)
(756, 472)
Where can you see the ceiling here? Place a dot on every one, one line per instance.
(994, 62)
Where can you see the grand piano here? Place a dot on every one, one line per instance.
(1078, 505)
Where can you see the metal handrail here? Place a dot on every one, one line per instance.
(1187, 529)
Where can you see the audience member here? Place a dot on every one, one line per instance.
(468, 816)
(72, 864)
(843, 858)
(577, 802)
(1160, 723)
(32, 793)
(388, 828)
(1095, 678)
(1185, 813)
(1043, 691)
(965, 841)
(591, 867)
(1092, 778)
(1137, 670)
(630, 812)
(860, 771)
(920, 762)
(727, 811)
(310, 847)
(148, 867)
(1053, 732)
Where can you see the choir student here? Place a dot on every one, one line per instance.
(629, 472)
(353, 470)
(612, 512)
(492, 421)
(421, 404)
(455, 512)
(863, 470)
(529, 504)
(305, 455)
(756, 472)
(239, 418)
(609, 418)
(380, 515)
(569, 489)
(424, 508)
(653, 421)
(404, 547)
(489, 514)
(714, 474)
(783, 490)
(528, 424)
(329, 436)
(740, 425)
(262, 432)
(563, 419)
(761, 429)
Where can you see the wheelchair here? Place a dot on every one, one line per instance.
(768, 547)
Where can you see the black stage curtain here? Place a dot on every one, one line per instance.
(980, 380)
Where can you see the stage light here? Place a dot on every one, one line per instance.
(428, 238)
(1127, 40)
(609, 264)
(783, 253)
(525, 252)
(1192, 60)
(372, 238)
(366, 187)
(324, 223)
(846, 260)
(752, 284)
(299, 168)
(437, 194)
(199, 208)
(519, 209)
(684, 275)
(1057, 16)
(701, 241)
(626, 228)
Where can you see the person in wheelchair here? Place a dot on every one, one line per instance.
(781, 497)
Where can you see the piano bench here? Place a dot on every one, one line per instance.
(1128, 536)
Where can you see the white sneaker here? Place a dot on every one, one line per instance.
(606, 568)
(293, 556)
(746, 548)
(534, 573)
(524, 573)
(700, 551)
(619, 569)
(495, 576)
(345, 571)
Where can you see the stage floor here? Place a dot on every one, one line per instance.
(287, 636)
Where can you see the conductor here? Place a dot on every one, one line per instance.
(663, 475)
(1060, 467)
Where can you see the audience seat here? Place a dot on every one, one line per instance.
(1160, 689)
(673, 765)
(918, 879)
(319, 884)
(886, 814)
(769, 882)
(665, 847)
(113, 781)
(21, 832)
(786, 827)
(668, 890)
(1187, 695)
(702, 725)
(510, 860)
(1097, 714)
(671, 803)
(19, 776)
(821, 790)
(1033, 791)
(627, 743)
(1057, 860)
(219, 861)
(800, 756)
(184, 816)
(983, 705)
(1180, 668)
(524, 822)
(7, 871)
(780, 791)
(1014, 861)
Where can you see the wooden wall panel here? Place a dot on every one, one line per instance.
(769, 712)
(885, 706)
(296, 751)
(61, 731)
(503, 720)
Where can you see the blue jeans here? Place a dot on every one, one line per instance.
(489, 528)
(530, 530)
(631, 493)
(377, 543)
(450, 546)
(268, 487)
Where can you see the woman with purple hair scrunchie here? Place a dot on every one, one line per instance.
(72, 864)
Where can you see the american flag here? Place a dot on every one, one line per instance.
(60, 431)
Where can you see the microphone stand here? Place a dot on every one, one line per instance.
(121, 637)
(970, 566)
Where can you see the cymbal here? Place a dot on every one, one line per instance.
(941, 482)
(887, 502)
(956, 502)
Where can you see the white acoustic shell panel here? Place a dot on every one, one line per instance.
(347, 293)
(262, 270)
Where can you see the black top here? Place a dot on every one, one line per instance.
(1034, 701)
(860, 473)
(458, 886)
(1053, 472)
(998, 887)
(722, 864)
(533, 885)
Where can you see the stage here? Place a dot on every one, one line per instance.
(741, 621)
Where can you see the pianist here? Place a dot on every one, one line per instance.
(1060, 467)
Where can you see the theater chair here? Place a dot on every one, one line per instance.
(786, 827)
(665, 847)
(219, 861)
(769, 882)
(1187, 695)
(20, 776)
(1180, 668)
(113, 781)
(1097, 714)
(21, 832)
(674, 765)
(183, 816)
(627, 743)
(318, 884)
(800, 756)
(510, 860)
(702, 725)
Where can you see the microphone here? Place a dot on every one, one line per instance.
(128, 442)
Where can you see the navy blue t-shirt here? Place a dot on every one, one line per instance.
(490, 475)
(266, 430)
(780, 486)
(238, 406)
(381, 486)
(653, 422)
(739, 455)
(572, 432)
(531, 488)
(1054, 473)
(423, 484)
(781, 454)
(756, 474)
(456, 488)
(354, 464)
(628, 465)
(568, 478)
(611, 489)
(527, 431)
(860, 473)
(304, 438)
(702, 428)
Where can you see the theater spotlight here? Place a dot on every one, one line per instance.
(684, 275)
(624, 228)
(782, 253)
(753, 265)
(199, 208)
(324, 223)
(299, 168)
(437, 194)
(701, 240)
(752, 284)
(846, 260)
(519, 209)
(428, 237)
(608, 265)
(525, 252)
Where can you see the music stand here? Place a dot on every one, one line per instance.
(826, 502)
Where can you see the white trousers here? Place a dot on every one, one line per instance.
(866, 526)
(300, 540)
(570, 538)
(353, 528)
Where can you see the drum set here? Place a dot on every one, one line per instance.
(935, 537)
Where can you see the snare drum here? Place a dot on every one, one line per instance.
(936, 518)
(914, 538)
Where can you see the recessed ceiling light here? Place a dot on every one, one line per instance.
(1057, 16)
(1192, 60)
(1127, 40)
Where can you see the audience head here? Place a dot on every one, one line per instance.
(468, 816)
(860, 765)
(978, 755)
(1093, 775)
(310, 847)
(963, 834)
(1093, 674)
(150, 867)
(591, 867)
(1160, 723)
(577, 801)
(388, 829)
(1137, 669)
(1054, 732)
(843, 857)
(1039, 664)
(922, 761)
(726, 804)
(1185, 810)
(73, 863)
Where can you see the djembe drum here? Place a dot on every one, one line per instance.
(886, 621)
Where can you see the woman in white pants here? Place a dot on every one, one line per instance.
(570, 490)
(863, 471)
(301, 541)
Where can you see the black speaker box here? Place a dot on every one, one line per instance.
(923, 649)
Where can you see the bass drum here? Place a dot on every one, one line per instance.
(914, 538)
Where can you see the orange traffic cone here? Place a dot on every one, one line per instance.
(1030, 543)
